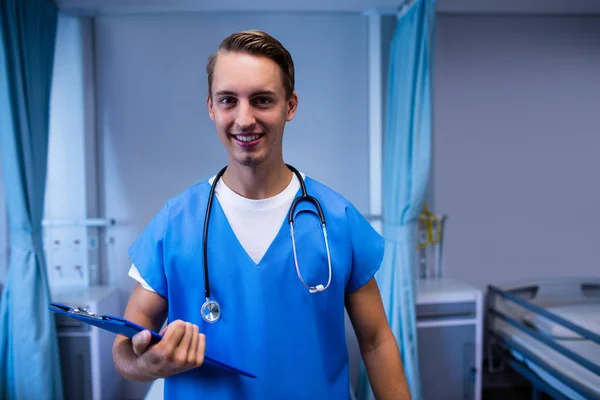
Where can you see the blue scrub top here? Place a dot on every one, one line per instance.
(271, 326)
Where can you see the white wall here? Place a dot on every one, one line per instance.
(71, 185)
(66, 145)
(157, 138)
(516, 146)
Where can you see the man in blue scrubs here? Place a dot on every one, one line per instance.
(272, 326)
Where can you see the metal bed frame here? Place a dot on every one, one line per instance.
(503, 345)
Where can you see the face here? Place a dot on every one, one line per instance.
(250, 108)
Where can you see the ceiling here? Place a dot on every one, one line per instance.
(385, 6)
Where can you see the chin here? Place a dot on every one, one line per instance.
(250, 162)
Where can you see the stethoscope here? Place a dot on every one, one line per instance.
(211, 310)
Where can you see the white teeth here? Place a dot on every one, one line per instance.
(246, 138)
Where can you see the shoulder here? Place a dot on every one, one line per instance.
(193, 197)
(363, 243)
(336, 207)
(330, 199)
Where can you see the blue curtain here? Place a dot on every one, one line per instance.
(407, 161)
(29, 357)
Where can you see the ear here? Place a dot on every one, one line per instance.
(209, 105)
(292, 106)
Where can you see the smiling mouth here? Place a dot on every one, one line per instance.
(247, 138)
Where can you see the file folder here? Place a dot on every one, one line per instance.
(127, 328)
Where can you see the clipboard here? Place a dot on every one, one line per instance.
(127, 328)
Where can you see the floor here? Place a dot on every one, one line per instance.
(505, 385)
(506, 394)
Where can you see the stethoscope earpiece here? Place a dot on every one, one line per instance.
(211, 310)
(316, 289)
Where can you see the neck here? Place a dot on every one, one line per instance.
(259, 182)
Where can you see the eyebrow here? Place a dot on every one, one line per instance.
(257, 93)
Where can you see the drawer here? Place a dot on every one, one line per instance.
(435, 311)
(447, 362)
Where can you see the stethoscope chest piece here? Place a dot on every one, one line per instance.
(211, 311)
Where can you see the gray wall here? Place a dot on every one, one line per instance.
(157, 138)
(515, 130)
(517, 142)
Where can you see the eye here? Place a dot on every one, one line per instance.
(263, 101)
(227, 100)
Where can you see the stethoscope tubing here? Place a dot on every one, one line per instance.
(211, 310)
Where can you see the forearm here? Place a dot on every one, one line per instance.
(127, 363)
(147, 309)
(384, 368)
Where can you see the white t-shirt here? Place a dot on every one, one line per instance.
(254, 222)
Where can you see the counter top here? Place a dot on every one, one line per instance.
(444, 290)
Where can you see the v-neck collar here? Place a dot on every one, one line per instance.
(281, 232)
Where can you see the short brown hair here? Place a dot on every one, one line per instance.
(260, 44)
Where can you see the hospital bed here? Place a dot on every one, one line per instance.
(549, 332)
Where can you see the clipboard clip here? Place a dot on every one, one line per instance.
(86, 313)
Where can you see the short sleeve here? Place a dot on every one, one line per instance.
(147, 252)
(367, 249)
(135, 274)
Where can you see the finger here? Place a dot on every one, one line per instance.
(173, 335)
(184, 345)
(201, 349)
(191, 354)
(163, 330)
(140, 342)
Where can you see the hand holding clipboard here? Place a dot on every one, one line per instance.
(180, 349)
(169, 353)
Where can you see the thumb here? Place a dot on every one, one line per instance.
(140, 342)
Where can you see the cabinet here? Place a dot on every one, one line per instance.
(86, 351)
(449, 335)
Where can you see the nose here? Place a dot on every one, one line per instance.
(244, 118)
